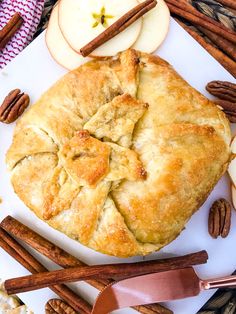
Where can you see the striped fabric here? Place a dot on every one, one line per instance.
(31, 11)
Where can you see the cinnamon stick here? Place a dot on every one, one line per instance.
(9, 30)
(64, 259)
(186, 11)
(224, 60)
(46, 248)
(225, 45)
(42, 280)
(20, 254)
(6, 29)
(228, 3)
(120, 25)
(186, 6)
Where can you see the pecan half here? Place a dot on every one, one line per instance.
(13, 106)
(231, 116)
(219, 220)
(222, 90)
(57, 306)
(229, 109)
(226, 105)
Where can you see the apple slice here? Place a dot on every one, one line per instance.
(232, 165)
(233, 191)
(81, 21)
(155, 28)
(59, 49)
(232, 171)
(233, 145)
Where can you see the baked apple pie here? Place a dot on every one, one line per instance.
(119, 154)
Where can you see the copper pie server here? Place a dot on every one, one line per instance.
(157, 287)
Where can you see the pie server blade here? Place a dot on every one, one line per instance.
(156, 287)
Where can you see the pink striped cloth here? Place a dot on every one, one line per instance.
(31, 11)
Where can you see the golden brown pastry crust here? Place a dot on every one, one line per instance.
(115, 121)
(127, 184)
(85, 159)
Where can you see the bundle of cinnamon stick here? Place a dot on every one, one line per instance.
(221, 41)
(9, 30)
(11, 227)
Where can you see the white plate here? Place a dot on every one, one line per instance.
(34, 71)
